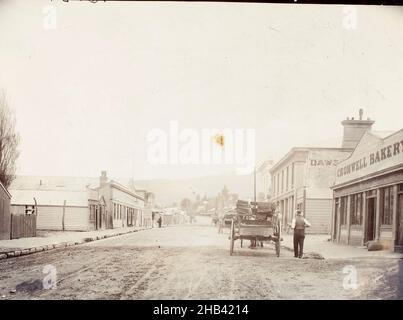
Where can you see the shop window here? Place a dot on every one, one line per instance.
(387, 206)
(356, 209)
(371, 193)
(282, 181)
(343, 211)
(292, 175)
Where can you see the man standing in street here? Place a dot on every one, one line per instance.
(298, 224)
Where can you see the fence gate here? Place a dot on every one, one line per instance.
(23, 226)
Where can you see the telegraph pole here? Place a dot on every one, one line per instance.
(254, 191)
(254, 185)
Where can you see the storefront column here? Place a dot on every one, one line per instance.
(378, 214)
(348, 218)
(333, 224)
(364, 216)
(338, 221)
(395, 207)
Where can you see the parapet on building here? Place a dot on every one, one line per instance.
(303, 177)
(368, 193)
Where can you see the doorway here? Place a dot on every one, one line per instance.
(399, 236)
(371, 214)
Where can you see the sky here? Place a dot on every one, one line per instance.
(88, 90)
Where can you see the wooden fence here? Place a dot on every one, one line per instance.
(23, 226)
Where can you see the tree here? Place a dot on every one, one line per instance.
(9, 141)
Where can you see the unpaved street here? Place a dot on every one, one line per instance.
(191, 262)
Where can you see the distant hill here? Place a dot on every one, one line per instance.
(170, 191)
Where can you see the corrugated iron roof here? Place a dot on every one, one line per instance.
(52, 197)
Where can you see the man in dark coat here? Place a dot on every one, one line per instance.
(298, 224)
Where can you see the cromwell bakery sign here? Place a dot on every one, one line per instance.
(385, 156)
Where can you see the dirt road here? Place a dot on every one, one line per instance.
(192, 262)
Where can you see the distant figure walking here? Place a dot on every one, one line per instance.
(298, 224)
(159, 221)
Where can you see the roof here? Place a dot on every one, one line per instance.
(52, 197)
(126, 190)
(382, 134)
(53, 190)
(265, 164)
(5, 190)
(54, 183)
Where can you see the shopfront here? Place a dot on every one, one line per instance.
(368, 194)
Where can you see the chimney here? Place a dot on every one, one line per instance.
(103, 179)
(354, 130)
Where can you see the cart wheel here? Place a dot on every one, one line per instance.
(231, 248)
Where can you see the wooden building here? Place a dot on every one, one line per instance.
(80, 204)
(5, 215)
(368, 193)
(124, 205)
(62, 203)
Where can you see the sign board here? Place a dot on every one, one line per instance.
(373, 154)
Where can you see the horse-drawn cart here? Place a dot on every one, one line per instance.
(258, 225)
(226, 220)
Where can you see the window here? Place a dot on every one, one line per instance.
(386, 206)
(356, 209)
(114, 211)
(278, 183)
(274, 185)
(29, 210)
(286, 178)
(282, 181)
(343, 211)
(292, 175)
(401, 187)
(371, 193)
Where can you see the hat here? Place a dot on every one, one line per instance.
(299, 212)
